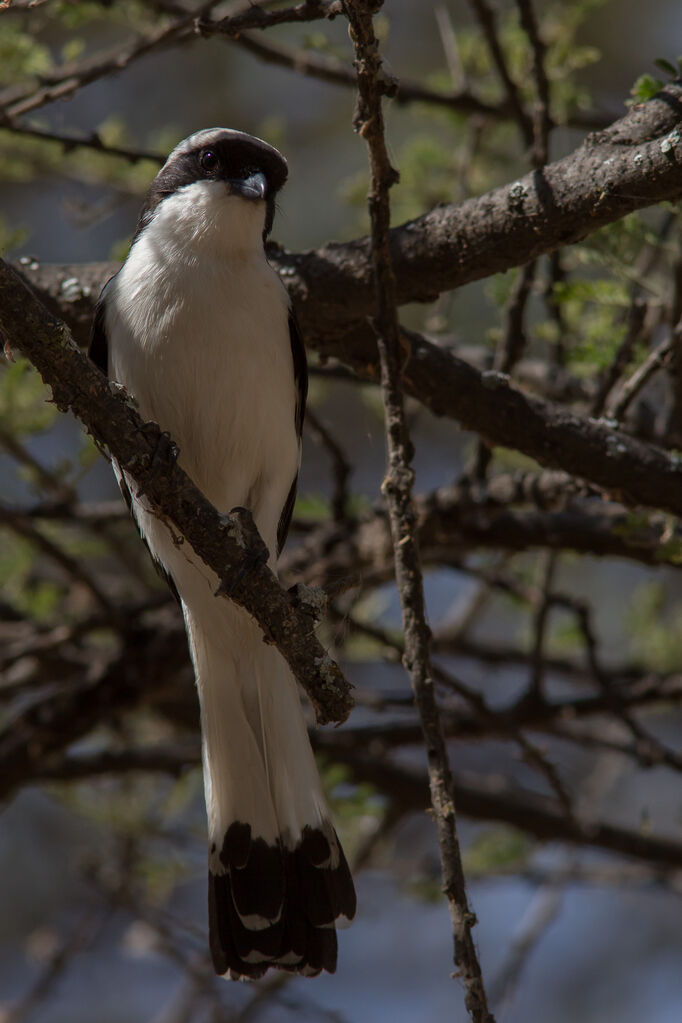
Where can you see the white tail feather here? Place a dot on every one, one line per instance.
(258, 764)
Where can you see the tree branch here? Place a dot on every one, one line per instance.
(633, 164)
(487, 21)
(479, 799)
(64, 82)
(330, 69)
(496, 799)
(229, 544)
(397, 488)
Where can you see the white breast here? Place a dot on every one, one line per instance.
(200, 337)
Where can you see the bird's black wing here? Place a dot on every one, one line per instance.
(301, 383)
(98, 351)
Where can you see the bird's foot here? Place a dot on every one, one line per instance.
(255, 551)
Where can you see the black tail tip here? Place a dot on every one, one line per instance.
(274, 906)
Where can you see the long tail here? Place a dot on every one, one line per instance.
(278, 878)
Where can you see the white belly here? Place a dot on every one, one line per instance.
(215, 370)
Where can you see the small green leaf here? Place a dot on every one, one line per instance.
(312, 508)
(496, 850)
(664, 65)
(72, 50)
(645, 87)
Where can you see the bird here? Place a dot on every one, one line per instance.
(198, 329)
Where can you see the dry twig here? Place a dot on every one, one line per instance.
(397, 489)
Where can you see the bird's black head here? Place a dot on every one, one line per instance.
(249, 167)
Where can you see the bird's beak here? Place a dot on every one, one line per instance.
(253, 187)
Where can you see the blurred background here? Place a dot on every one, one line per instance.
(103, 880)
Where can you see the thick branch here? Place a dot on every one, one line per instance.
(483, 402)
(498, 800)
(487, 403)
(638, 161)
(635, 163)
(230, 545)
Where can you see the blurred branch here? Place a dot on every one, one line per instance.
(93, 140)
(48, 480)
(33, 744)
(543, 606)
(496, 799)
(636, 316)
(330, 69)
(542, 122)
(489, 798)
(64, 82)
(509, 350)
(81, 937)
(451, 525)
(487, 20)
(622, 398)
(75, 571)
(341, 467)
(538, 918)
(33, 739)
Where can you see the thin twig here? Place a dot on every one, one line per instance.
(63, 83)
(636, 315)
(556, 276)
(655, 360)
(56, 964)
(448, 38)
(542, 121)
(48, 480)
(542, 611)
(69, 141)
(397, 488)
(539, 916)
(514, 340)
(508, 352)
(486, 19)
(74, 569)
(341, 468)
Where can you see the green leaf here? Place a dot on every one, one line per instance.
(20, 54)
(497, 850)
(654, 627)
(664, 65)
(645, 87)
(11, 237)
(312, 508)
(24, 399)
(72, 50)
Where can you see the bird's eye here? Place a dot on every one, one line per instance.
(209, 161)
